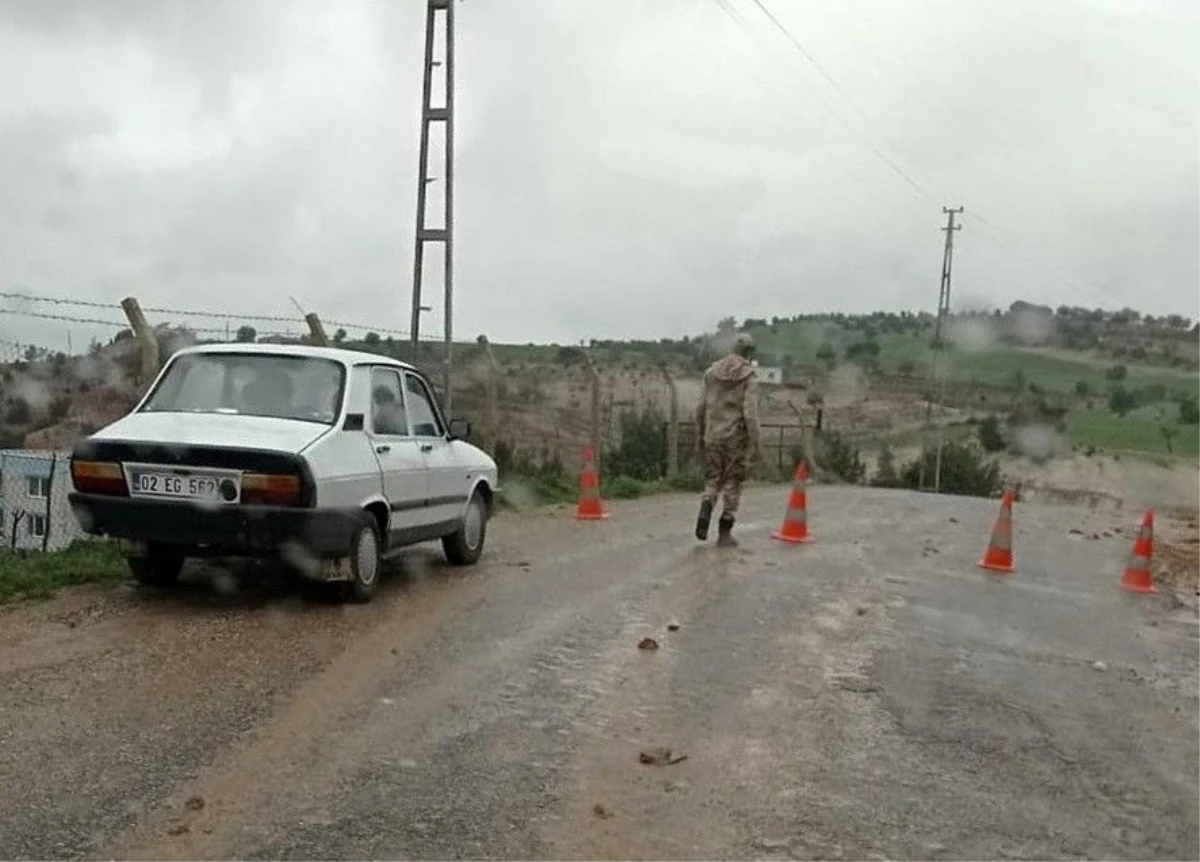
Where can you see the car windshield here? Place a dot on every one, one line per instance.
(245, 384)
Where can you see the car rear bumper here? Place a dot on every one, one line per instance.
(227, 529)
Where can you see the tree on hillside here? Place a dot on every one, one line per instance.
(906, 367)
(339, 336)
(371, 339)
(1168, 430)
(827, 355)
(1117, 373)
(1082, 388)
(1189, 410)
(247, 334)
(1121, 401)
(726, 325)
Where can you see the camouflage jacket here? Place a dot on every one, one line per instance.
(728, 410)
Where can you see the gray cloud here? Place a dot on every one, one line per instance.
(623, 168)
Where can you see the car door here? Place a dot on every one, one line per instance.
(447, 482)
(401, 461)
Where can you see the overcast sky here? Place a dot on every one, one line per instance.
(625, 168)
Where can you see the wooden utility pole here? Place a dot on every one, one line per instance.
(435, 11)
(938, 371)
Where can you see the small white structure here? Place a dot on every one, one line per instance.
(771, 374)
(34, 512)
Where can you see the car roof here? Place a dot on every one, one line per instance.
(337, 354)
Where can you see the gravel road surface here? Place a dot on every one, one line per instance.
(872, 695)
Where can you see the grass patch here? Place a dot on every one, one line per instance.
(1134, 433)
(1054, 370)
(37, 575)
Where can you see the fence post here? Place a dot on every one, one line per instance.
(595, 409)
(145, 337)
(672, 421)
(49, 501)
(490, 425)
(805, 443)
(316, 331)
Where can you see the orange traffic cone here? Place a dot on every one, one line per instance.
(795, 520)
(590, 507)
(1137, 572)
(999, 556)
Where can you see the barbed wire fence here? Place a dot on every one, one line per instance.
(205, 323)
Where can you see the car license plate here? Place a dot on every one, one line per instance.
(147, 483)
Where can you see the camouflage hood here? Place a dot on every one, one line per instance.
(733, 370)
(728, 408)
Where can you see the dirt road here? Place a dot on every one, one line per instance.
(873, 695)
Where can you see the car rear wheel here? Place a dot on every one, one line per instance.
(366, 560)
(464, 547)
(160, 567)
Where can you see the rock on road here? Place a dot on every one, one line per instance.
(872, 695)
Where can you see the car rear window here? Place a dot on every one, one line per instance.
(285, 387)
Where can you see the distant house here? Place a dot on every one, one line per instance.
(34, 511)
(771, 374)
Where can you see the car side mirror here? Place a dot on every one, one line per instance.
(460, 429)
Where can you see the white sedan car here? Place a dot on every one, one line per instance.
(327, 458)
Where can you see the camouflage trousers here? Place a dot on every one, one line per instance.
(725, 468)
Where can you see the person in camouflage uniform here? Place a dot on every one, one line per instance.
(728, 434)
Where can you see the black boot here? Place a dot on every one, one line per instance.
(703, 519)
(725, 537)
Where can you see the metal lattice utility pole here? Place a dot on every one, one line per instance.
(938, 346)
(435, 11)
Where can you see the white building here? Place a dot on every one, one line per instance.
(34, 511)
(771, 374)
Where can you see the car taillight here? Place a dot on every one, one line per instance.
(270, 489)
(99, 477)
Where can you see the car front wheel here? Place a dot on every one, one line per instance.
(366, 560)
(464, 546)
(160, 567)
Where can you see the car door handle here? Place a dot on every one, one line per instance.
(383, 449)
(426, 447)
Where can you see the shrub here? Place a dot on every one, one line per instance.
(18, 412)
(642, 452)
(885, 473)
(991, 437)
(835, 454)
(965, 470)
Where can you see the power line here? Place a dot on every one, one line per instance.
(804, 52)
(992, 233)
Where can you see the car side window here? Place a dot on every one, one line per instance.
(420, 403)
(387, 403)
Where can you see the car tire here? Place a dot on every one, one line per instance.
(464, 546)
(366, 560)
(159, 568)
